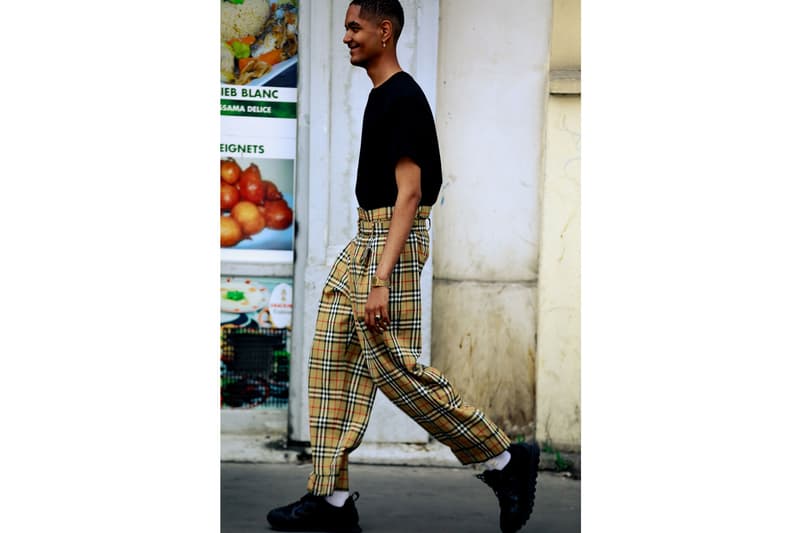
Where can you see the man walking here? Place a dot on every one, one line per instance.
(368, 330)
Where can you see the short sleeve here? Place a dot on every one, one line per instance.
(407, 131)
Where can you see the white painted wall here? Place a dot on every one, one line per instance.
(492, 83)
(331, 100)
(493, 69)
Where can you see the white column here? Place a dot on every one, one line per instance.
(493, 66)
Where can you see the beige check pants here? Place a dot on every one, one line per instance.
(349, 363)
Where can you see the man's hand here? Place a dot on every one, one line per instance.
(377, 306)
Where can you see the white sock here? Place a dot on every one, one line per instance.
(338, 498)
(499, 462)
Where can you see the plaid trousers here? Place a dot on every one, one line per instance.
(349, 363)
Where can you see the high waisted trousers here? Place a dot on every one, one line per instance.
(349, 363)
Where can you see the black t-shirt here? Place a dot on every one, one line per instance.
(397, 123)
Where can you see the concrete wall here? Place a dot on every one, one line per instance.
(493, 68)
(559, 370)
(565, 51)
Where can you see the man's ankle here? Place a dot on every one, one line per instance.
(338, 498)
(498, 462)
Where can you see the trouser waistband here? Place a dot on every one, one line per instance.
(381, 217)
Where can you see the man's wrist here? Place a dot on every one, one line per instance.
(377, 281)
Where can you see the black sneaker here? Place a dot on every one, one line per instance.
(313, 513)
(515, 486)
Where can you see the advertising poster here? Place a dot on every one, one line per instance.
(258, 129)
(258, 302)
(255, 328)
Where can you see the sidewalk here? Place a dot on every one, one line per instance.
(396, 499)
(259, 448)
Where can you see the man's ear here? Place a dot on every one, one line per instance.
(386, 30)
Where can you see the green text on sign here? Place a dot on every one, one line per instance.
(250, 108)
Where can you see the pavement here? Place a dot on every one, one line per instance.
(397, 499)
(272, 448)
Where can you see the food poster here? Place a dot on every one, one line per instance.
(259, 302)
(255, 319)
(258, 129)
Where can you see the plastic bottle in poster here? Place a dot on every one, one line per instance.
(280, 306)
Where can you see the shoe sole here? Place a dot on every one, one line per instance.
(533, 469)
(352, 529)
(534, 474)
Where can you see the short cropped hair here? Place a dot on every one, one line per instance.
(378, 10)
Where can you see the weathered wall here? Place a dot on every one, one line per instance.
(565, 50)
(492, 84)
(558, 383)
(559, 320)
(488, 350)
